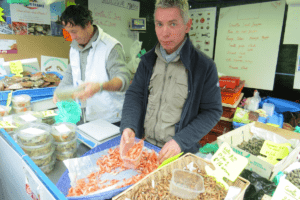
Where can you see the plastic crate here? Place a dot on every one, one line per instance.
(231, 98)
(222, 127)
(228, 112)
(35, 94)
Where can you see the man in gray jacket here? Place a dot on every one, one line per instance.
(98, 60)
(174, 99)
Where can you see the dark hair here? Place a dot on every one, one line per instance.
(76, 15)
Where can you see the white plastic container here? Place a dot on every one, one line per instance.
(21, 109)
(64, 132)
(22, 119)
(186, 184)
(40, 150)
(3, 111)
(34, 134)
(48, 168)
(66, 155)
(44, 160)
(62, 147)
(269, 108)
(21, 100)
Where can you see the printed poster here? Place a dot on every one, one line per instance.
(5, 27)
(202, 32)
(56, 9)
(8, 46)
(33, 19)
(54, 64)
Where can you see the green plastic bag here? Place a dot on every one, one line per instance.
(209, 148)
(69, 111)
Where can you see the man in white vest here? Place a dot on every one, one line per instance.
(97, 63)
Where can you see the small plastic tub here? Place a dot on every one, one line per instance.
(44, 160)
(185, 184)
(21, 100)
(47, 120)
(64, 132)
(3, 111)
(132, 163)
(34, 134)
(66, 155)
(22, 119)
(67, 92)
(63, 147)
(48, 168)
(269, 108)
(40, 150)
(21, 109)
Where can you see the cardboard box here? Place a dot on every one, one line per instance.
(257, 165)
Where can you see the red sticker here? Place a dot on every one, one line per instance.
(202, 20)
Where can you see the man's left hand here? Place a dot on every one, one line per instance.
(90, 88)
(169, 150)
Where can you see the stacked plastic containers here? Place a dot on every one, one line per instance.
(65, 137)
(36, 141)
(21, 103)
(4, 112)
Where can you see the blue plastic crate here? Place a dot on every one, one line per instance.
(35, 94)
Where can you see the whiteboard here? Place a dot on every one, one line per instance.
(113, 16)
(202, 33)
(292, 27)
(297, 71)
(248, 41)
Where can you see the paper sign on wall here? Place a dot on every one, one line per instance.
(54, 64)
(227, 164)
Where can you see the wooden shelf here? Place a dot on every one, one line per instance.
(226, 119)
(235, 105)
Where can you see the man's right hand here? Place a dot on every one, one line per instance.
(127, 140)
(54, 99)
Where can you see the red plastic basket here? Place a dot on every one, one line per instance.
(231, 98)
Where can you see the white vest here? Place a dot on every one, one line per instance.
(104, 105)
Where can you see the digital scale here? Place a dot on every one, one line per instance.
(137, 24)
(96, 132)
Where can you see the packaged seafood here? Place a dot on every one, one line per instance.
(62, 147)
(66, 155)
(44, 160)
(50, 120)
(34, 134)
(63, 132)
(67, 92)
(186, 184)
(24, 118)
(4, 110)
(21, 109)
(48, 168)
(21, 100)
(132, 156)
(39, 150)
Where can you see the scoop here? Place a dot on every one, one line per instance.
(170, 160)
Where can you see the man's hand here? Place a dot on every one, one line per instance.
(89, 89)
(54, 99)
(127, 140)
(169, 150)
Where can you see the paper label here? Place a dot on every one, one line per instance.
(62, 128)
(9, 99)
(6, 124)
(48, 113)
(16, 68)
(227, 164)
(286, 191)
(28, 118)
(274, 151)
(33, 131)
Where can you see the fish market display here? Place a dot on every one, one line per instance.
(37, 80)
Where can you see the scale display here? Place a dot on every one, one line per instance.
(138, 24)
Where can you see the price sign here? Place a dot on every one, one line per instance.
(286, 191)
(48, 113)
(227, 164)
(1, 13)
(16, 68)
(274, 151)
(9, 99)
(6, 124)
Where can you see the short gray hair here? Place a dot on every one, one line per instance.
(183, 5)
